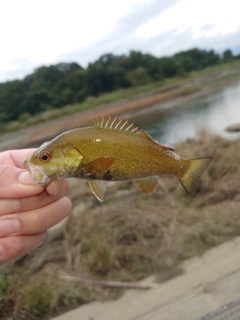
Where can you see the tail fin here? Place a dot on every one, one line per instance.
(193, 169)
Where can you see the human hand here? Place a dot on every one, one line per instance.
(27, 209)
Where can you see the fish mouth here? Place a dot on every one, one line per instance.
(37, 173)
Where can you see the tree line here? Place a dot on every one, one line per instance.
(62, 84)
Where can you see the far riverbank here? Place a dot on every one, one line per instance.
(168, 96)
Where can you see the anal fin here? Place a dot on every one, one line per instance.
(147, 185)
(98, 188)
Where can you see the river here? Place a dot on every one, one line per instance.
(212, 112)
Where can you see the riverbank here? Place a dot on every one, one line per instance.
(171, 95)
(130, 235)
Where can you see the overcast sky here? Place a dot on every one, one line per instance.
(44, 32)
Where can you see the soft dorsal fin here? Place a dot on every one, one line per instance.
(167, 148)
(114, 123)
(144, 134)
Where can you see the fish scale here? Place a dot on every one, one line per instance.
(112, 150)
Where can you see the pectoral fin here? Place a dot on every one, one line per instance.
(147, 185)
(72, 158)
(98, 188)
(98, 166)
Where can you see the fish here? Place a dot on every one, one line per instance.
(112, 150)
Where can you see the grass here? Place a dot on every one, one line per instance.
(128, 238)
(39, 297)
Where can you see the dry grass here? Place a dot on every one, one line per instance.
(129, 236)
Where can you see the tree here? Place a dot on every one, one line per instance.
(227, 55)
(167, 67)
(12, 98)
(138, 76)
(196, 59)
(57, 85)
(105, 74)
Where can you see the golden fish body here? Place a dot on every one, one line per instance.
(112, 150)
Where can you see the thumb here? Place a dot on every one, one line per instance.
(17, 183)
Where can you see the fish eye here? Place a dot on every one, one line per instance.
(45, 156)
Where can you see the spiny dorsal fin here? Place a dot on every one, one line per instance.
(114, 123)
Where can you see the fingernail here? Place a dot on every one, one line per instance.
(9, 226)
(26, 179)
(2, 249)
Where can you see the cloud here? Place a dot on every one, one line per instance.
(157, 27)
(18, 69)
(122, 38)
(165, 44)
(143, 14)
(207, 27)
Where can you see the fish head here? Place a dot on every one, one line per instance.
(48, 163)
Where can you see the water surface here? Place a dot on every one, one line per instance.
(213, 112)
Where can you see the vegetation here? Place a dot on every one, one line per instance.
(64, 84)
(128, 237)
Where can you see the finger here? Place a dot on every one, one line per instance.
(16, 246)
(35, 221)
(15, 157)
(10, 206)
(20, 155)
(17, 183)
(56, 185)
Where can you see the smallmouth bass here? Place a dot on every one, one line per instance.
(112, 150)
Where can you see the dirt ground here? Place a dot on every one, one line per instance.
(207, 289)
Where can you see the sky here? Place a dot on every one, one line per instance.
(44, 32)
